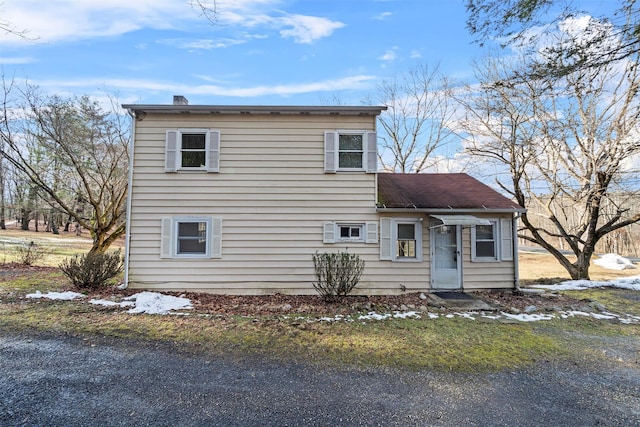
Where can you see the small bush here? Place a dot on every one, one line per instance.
(336, 274)
(92, 271)
(29, 254)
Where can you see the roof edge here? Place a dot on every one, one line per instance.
(255, 109)
(449, 210)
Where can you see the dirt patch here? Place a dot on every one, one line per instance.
(279, 304)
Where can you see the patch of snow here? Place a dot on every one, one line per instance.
(64, 296)
(405, 314)
(156, 303)
(614, 262)
(631, 283)
(528, 317)
(108, 303)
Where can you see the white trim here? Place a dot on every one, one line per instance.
(433, 229)
(464, 220)
(506, 239)
(127, 238)
(328, 232)
(385, 239)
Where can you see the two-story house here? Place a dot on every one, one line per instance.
(237, 199)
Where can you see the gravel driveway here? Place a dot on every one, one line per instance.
(65, 381)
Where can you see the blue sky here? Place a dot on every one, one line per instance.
(269, 52)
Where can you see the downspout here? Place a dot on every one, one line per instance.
(127, 239)
(516, 269)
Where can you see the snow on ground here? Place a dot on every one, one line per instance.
(631, 283)
(156, 303)
(143, 302)
(65, 296)
(614, 262)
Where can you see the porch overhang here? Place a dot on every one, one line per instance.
(463, 220)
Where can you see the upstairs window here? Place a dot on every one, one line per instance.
(192, 150)
(350, 151)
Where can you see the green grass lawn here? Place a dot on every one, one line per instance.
(444, 344)
(456, 343)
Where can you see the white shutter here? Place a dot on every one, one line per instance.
(214, 151)
(385, 238)
(506, 239)
(216, 237)
(165, 238)
(328, 232)
(372, 232)
(330, 151)
(170, 152)
(372, 152)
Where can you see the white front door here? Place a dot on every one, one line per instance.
(445, 256)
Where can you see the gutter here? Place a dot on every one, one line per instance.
(449, 210)
(516, 268)
(127, 240)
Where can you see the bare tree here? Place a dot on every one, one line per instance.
(523, 23)
(207, 9)
(83, 153)
(563, 146)
(415, 124)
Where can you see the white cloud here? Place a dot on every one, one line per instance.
(382, 16)
(201, 44)
(62, 20)
(346, 83)
(388, 56)
(306, 29)
(16, 60)
(57, 20)
(415, 54)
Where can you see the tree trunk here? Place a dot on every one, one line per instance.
(24, 219)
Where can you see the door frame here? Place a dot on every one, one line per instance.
(432, 263)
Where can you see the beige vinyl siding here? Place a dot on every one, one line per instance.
(484, 275)
(272, 195)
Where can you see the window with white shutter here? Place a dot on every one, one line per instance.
(350, 151)
(191, 237)
(192, 150)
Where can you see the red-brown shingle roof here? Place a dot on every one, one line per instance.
(438, 191)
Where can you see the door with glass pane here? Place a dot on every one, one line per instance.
(445, 256)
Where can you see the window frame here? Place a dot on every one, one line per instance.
(362, 151)
(350, 239)
(332, 151)
(174, 149)
(169, 239)
(495, 223)
(175, 234)
(180, 150)
(418, 237)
